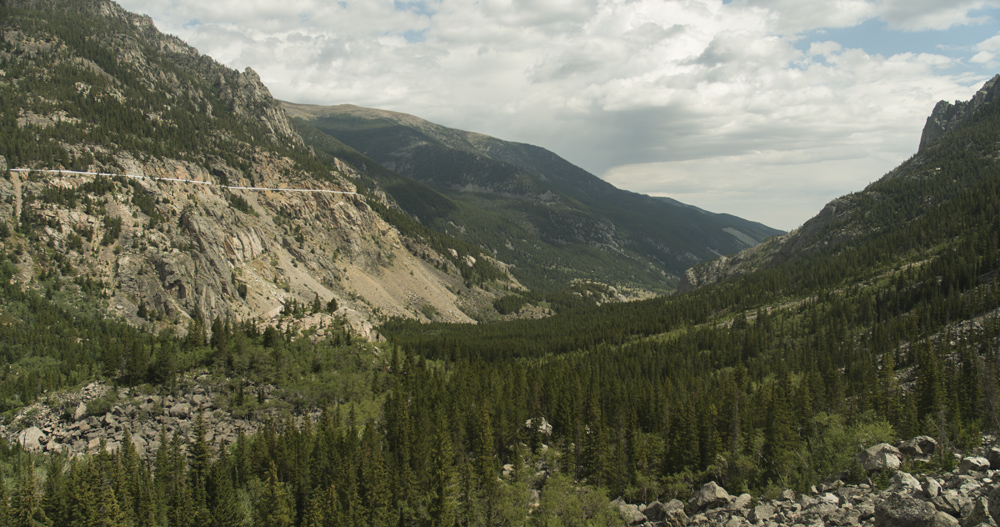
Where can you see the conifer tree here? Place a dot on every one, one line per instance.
(274, 509)
(374, 481)
(484, 466)
(198, 469)
(221, 493)
(4, 503)
(26, 505)
(55, 488)
(444, 484)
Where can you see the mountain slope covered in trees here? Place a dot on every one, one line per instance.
(551, 220)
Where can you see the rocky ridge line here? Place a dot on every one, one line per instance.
(946, 116)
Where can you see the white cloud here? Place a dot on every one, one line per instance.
(612, 84)
(796, 16)
(915, 15)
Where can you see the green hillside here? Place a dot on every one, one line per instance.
(551, 220)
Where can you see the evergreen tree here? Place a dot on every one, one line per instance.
(444, 482)
(26, 504)
(274, 508)
(5, 516)
(376, 496)
(198, 468)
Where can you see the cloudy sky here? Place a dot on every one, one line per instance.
(766, 109)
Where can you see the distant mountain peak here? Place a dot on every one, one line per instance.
(947, 116)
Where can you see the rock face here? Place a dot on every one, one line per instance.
(182, 235)
(947, 117)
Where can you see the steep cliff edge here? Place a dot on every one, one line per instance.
(946, 116)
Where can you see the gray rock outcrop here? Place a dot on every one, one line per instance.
(946, 117)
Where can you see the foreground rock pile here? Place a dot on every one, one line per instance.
(67, 425)
(967, 496)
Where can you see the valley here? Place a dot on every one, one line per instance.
(217, 308)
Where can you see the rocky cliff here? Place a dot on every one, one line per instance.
(947, 116)
(90, 88)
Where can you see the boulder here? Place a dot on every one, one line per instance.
(882, 456)
(80, 412)
(951, 502)
(742, 501)
(710, 496)
(830, 498)
(932, 488)
(905, 483)
(544, 426)
(993, 504)
(906, 511)
(761, 513)
(180, 410)
(919, 446)
(669, 514)
(994, 457)
(973, 464)
(31, 439)
(980, 514)
(629, 512)
(654, 512)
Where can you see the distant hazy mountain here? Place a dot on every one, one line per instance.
(552, 221)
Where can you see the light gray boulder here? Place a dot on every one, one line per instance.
(761, 513)
(903, 482)
(879, 457)
(629, 512)
(710, 496)
(905, 511)
(80, 412)
(31, 439)
(973, 464)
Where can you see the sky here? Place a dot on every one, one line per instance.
(766, 109)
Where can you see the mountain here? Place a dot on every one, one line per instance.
(90, 88)
(878, 322)
(552, 221)
(952, 162)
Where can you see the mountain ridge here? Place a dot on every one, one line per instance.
(136, 101)
(849, 217)
(550, 208)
